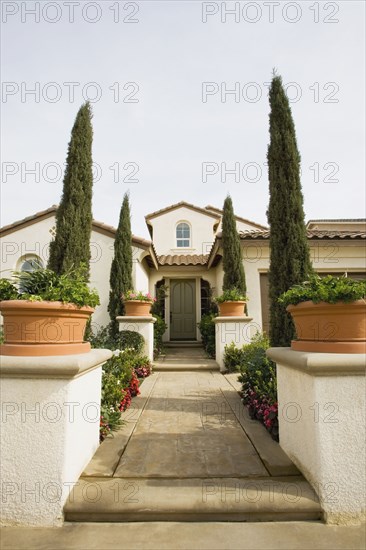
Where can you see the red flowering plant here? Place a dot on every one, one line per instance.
(120, 383)
(116, 396)
(258, 378)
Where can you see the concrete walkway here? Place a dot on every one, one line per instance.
(190, 452)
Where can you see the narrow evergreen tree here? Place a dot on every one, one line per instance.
(71, 245)
(289, 252)
(121, 268)
(234, 276)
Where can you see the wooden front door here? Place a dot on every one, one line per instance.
(183, 309)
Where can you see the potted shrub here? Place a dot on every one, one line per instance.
(45, 313)
(137, 303)
(231, 303)
(329, 314)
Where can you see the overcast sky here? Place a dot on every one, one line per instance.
(166, 127)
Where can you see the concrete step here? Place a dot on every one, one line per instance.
(210, 499)
(188, 365)
(183, 344)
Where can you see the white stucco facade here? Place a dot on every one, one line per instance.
(50, 430)
(337, 246)
(321, 400)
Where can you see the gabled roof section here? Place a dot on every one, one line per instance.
(181, 204)
(239, 218)
(29, 220)
(44, 214)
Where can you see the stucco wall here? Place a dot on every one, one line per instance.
(164, 232)
(35, 239)
(327, 255)
(50, 431)
(322, 429)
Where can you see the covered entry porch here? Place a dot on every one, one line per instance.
(185, 285)
(186, 300)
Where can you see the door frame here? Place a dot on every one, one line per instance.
(168, 281)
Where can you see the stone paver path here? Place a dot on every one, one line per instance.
(188, 429)
(189, 451)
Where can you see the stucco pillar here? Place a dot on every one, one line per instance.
(322, 426)
(231, 329)
(142, 325)
(50, 411)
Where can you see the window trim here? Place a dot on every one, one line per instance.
(189, 245)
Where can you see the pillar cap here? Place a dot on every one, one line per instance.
(320, 364)
(136, 319)
(241, 319)
(57, 366)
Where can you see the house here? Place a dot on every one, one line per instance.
(185, 254)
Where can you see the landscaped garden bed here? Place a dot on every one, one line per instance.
(257, 374)
(122, 375)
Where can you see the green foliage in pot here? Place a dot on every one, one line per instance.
(8, 291)
(232, 295)
(325, 289)
(46, 285)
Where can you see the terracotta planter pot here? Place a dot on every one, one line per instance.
(232, 309)
(330, 328)
(137, 308)
(43, 328)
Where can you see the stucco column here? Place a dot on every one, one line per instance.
(50, 415)
(231, 329)
(142, 325)
(322, 426)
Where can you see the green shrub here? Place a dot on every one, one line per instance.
(128, 339)
(121, 367)
(258, 378)
(104, 338)
(111, 390)
(208, 333)
(233, 357)
(160, 327)
(257, 371)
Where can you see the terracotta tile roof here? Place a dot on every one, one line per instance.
(183, 259)
(29, 220)
(179, 205)
(349, 220)
(311, 234)
(44, 214)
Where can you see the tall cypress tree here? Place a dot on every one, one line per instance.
(234, 276)
(289, 252)
(71, 246)
(121, 269)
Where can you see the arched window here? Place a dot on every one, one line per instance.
(183, 234)
(31, 264)
(28, 264)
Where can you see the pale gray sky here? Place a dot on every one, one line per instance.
(165, 125)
